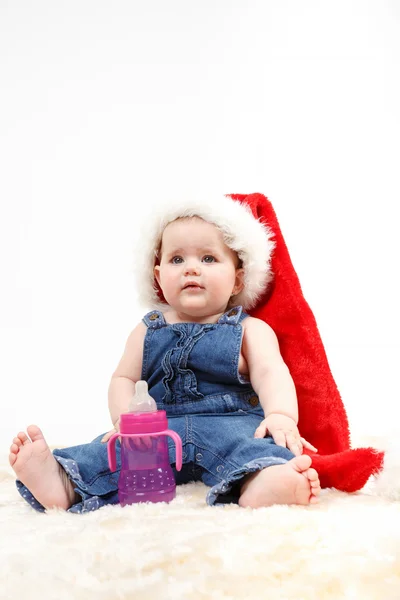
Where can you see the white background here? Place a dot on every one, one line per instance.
(105, 106)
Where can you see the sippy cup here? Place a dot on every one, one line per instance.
(146, 474)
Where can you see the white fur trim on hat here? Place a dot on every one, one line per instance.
(244, 234)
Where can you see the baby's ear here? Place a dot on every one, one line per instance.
(156, 272)
(239, 282)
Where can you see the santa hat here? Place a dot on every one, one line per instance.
(273, 294)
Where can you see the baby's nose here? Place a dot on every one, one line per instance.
(192, 269)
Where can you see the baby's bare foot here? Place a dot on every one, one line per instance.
(37, 468)
(292, 483)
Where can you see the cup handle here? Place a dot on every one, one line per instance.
(178, 447)
(112, 459)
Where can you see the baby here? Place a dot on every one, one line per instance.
(217, 371)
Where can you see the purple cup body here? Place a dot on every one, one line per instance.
(146, 475)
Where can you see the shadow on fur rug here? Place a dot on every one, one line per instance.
(347, 546)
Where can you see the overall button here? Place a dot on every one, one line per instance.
(253, 401)
(153, 317)
(233, 312)
(199, 456)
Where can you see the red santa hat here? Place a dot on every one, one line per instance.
(272, 293)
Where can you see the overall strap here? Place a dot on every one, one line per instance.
(154, 319)
(233, 316)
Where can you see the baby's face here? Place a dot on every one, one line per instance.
(197, 273)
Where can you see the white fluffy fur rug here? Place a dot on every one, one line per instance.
(348, 547)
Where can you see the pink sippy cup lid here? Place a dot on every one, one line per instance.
(146, 422)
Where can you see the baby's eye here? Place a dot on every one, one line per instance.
(208, 258)
(176, 260)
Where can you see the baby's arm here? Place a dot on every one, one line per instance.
(269, 374)
(127, 373)
(271, 380)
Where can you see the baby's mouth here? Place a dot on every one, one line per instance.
(192, 286)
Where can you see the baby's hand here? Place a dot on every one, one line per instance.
(284, 432)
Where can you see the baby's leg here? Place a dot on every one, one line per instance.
(253, 472)
(39, 471)
(291, 483)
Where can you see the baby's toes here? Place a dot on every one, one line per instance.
(315, 491)
(312, 476)
(16, 445)
(23, 438)
(14, 449)
(315, 486)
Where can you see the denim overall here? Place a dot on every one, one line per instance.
(192, 373)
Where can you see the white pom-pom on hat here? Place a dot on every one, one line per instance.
(242, 232)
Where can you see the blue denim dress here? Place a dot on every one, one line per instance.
(192, 373)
